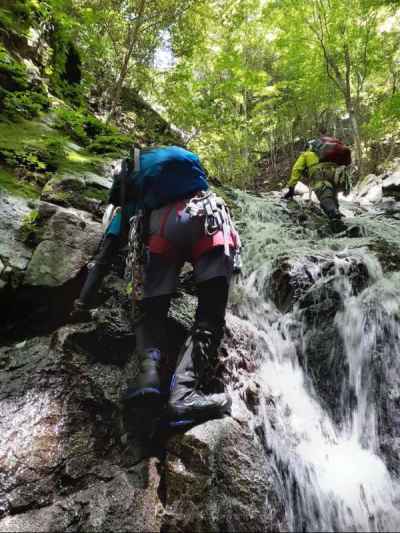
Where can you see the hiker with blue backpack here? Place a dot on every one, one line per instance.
(171, 217)
(325, 167)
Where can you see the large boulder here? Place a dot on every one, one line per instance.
(381, 372)
(87, 191)
(315, 288)
(14, 253)
(218, 478)
(69, 240)
(118, 501)
(218, 475)
(310, 280)
(369, 190)
(391, 185)
(63, 460)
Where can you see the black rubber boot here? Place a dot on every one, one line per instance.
(146, 389)
(80, 312)
(97, 270)
(187, 404)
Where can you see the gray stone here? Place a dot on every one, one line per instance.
(74, 191)
(218, 479)
(121, 504)
(62, 463)
(13, 210)
(369, 190)
(292, 281)
(96, 180)
(69, 241)
(391, 185)
(112, 167)
(217, 475)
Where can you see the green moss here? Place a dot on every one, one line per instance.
(29, 227)
(11, 184)
(110, 144)
(31, 146)
(81, 162)
(13, 76)
(24, 104)
(16, 134)
(80, 125)
(96, 194)
(17, 16)
(40, 152)
(18, 98)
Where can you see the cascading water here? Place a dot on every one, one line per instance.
(324, 364)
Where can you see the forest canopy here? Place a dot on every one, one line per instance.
(243, 78)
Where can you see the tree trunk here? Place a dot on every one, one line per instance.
(356, 135)
(132, 41)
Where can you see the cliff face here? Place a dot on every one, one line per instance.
(310, 355)
(72, 458)
(312, 306)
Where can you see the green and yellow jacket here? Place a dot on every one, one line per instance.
(308, 166)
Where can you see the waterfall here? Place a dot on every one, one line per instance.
(323, 365)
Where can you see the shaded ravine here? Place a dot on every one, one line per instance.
(310, 356)
(326, 323)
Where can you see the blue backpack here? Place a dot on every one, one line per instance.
(165, 174)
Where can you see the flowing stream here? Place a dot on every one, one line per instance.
(329, 360)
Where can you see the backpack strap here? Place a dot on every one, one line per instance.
(129, 165)
(136, 160)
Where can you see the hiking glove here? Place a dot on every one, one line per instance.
(290, 194)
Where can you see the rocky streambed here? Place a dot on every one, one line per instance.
(310, 357)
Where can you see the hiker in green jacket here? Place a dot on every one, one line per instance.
(325, 166)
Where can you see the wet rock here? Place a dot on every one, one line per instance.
(63, 463)
(381, 372)
(87, 191)
(314, 287)
(217, 478)
(387, 253)
(126, 502)
(14, 254)
(301, 280)
(305, 192)
(391, 185)
(70, 239)
(369, 190)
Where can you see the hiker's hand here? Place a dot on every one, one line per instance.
(290, 194)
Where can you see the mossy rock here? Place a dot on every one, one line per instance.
(110, 144)
(73, 191)
(31, 230)
(17, 187)
(13, 75)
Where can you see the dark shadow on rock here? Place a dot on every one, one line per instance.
(35, 311)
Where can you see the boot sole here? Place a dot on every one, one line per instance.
(181, 424)
(195, 420)
(144, 398)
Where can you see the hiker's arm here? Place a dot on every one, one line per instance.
(114, 195)
(298, 170)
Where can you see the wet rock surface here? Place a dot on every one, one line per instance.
(74, 458)
(70, 238)
(391, 185)
(14, 253)
(63, 446)
(86, 191)
(217, 478)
